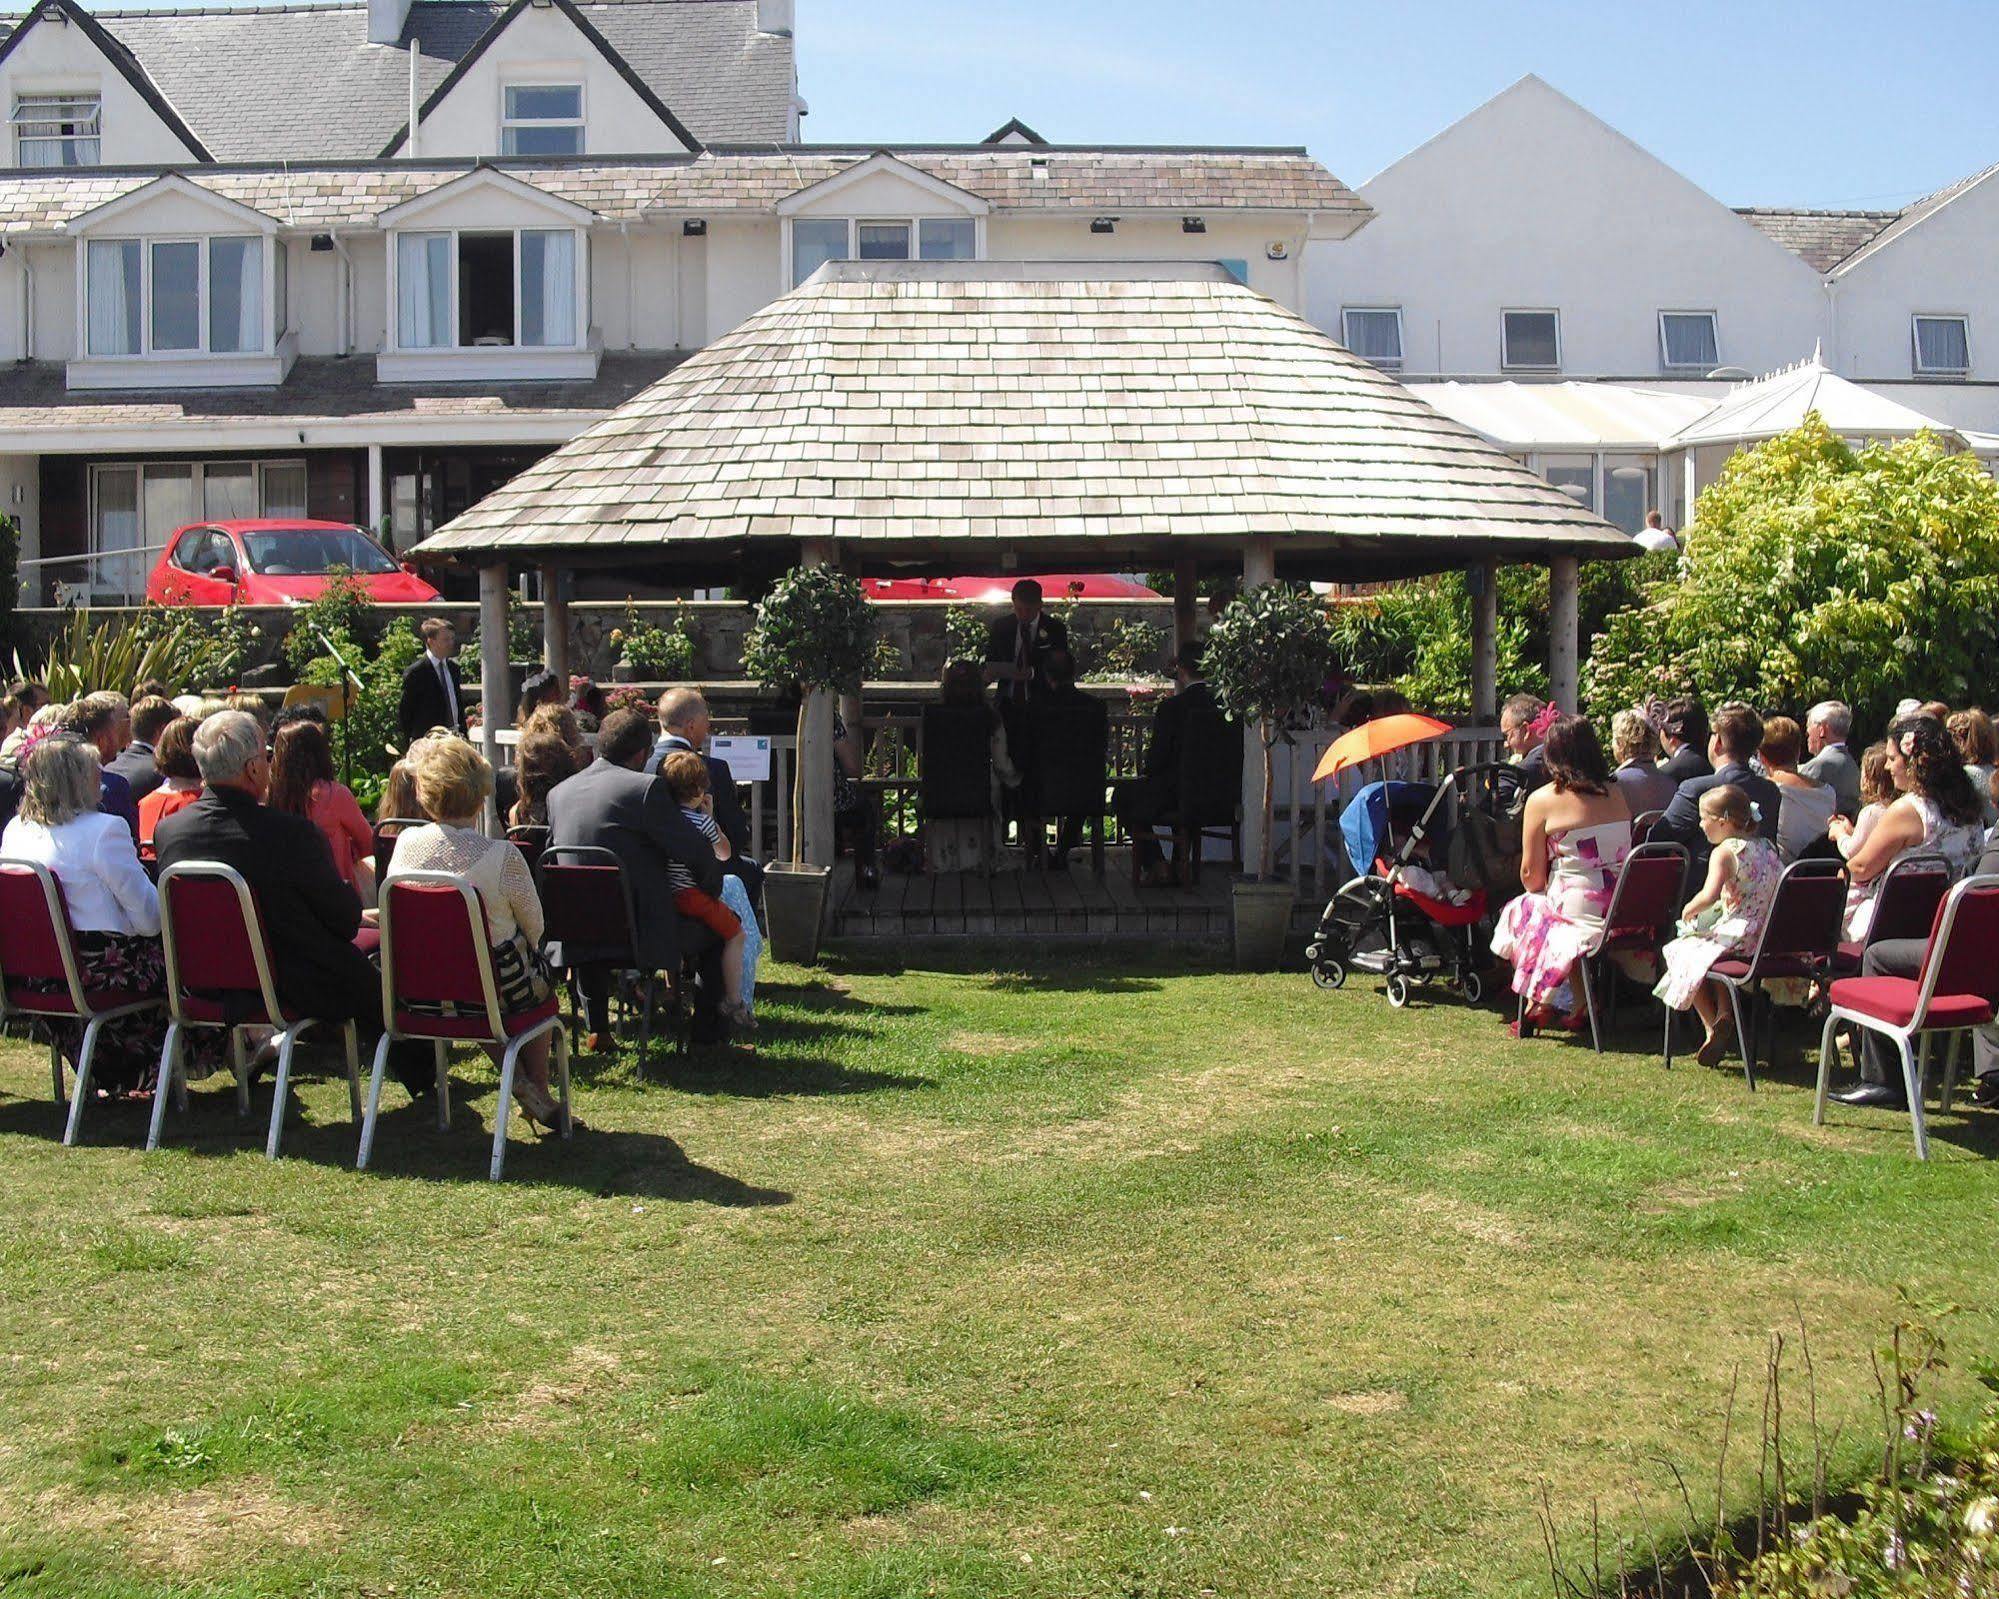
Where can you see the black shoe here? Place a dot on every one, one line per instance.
(1878, 1095)
(1986, 1092)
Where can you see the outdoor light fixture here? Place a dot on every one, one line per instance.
(1103, 224)
(1193, 225)
(321, 243)
(695, 228)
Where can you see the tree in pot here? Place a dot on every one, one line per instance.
(814, 629)
(1266, 657)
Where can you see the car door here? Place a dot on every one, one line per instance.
(196, 556)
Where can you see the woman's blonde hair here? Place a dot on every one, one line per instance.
(59, 781)
(1876, 786)
(1972, 732)
(452, 778)
(1632, 738)
(1783, 742)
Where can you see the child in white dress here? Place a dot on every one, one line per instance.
(1725, 918)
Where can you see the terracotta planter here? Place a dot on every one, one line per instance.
(1260, 923)
(795, 905)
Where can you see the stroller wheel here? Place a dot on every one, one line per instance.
(1472, 987)
(1397, 990)
(1329, 974)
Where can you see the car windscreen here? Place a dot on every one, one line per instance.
(309, 551)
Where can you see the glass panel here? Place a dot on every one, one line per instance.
(58, 130)
(114, 296)
(948, 238)
(283, 488)
(1574, 475)
(304, 552)
(1943, 344)
(548, 288)
(114, 526)
(883, 241)
(281, 310)
(1375, 335)
(1530, 339)
(168, 502)
(542, 138)
(1689, 339)
(235, 294)
(228, 491)
(544, 102)
(814, 242)
(177, 296)
(1627, 494)
(423, 291)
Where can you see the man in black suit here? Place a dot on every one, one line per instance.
(1063, 695)
(684, 725)
(1737, 736)
(136, 763)
(309, 914)
(614, 805)
(1683, 734)
(1017, 646)
(433, 693)
(1523, 730)
(1142, 801)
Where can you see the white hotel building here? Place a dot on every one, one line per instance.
(366, 261)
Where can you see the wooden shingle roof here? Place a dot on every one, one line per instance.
(927, 411)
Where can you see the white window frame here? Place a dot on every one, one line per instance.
(1401, 348)
(580, 122)
(54, 98)
(580, 323)
(203, 242)
(1916, 319)
(1666, 361)
(1529, 310)
(914, 222)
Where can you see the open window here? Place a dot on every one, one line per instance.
(58, 130)
(1530, 341)
(476, 290)
(1688, 342)
(1942, 346)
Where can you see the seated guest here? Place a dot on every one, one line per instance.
(587, 700)
(1683, 735)
(254, 706)
(303, 784)
(684, 725)
(399, 801)
(1635, 748)
(1877, 793)
(304, 711)
(1972, 732)
(137, 763)
(1828, 725)
(1937, 812)
(104, 722)
(112, 904)
(974, 843)
(180, 778)
(1155, 793)
(729, 917)
(561, 721)
(453, 781)
(1523, 726)
(1062, 693)
(27, 698)
(1575, 833)
(613, 804)
(1805, 808)
(1735, 741)
(538, 689)
(542, 761)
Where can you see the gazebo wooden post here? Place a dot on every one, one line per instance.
(1484, 582)
(496, 709)
(1259, 567)
(1186, 603)
(814, 820)
(1564, 630)
(555, 625)
(853, 707)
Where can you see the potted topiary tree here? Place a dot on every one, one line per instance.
(1266, 657)
(815, 629)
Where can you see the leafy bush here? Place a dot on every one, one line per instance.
(887, 658)
(964, 635)
(187, 650)
(1128, 647)
(341, 610)
(367, 741)
(1816, 571)
(664, 654)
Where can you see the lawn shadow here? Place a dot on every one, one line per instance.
(744, 1076)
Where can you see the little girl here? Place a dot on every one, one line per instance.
(1877, 793)
(730, 917)
(1725, 918)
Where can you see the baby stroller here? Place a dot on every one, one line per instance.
(1378, 923)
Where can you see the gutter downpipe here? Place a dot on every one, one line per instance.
(27, 302)
(625, 241)
(343, 342)
(409, 144)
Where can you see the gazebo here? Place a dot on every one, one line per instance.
(945, 416)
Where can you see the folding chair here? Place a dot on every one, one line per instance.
(386, 831)
(586, 899)
(1956, 990)
(38, 944)
(530, 838)
(1642, 825)
(1800, 938)
(434, 952)
(1651, 887)
(1905, 906)
(219, 975)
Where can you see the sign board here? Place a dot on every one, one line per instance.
(748, 755)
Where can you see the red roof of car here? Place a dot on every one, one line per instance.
(271, 524)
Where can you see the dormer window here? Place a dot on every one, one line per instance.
(542, 119)
(817, 240)
(174, 297)
(58, 130)
(480, 290)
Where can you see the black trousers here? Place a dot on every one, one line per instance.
(1141, 802)
(1879, 1060)
(594, 980)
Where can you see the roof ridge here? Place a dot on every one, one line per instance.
(1818, 211)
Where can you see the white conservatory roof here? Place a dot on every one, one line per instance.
(1778, 403)
(1566, 416)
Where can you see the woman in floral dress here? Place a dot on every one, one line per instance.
(1725, 918)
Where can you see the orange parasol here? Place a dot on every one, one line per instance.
(1382, 736)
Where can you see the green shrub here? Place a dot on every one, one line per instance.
(187, 649)
(964, 635)
(663, 654)
(1126, 648)
(367, 741)
(341, 610)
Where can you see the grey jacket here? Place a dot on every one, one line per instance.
(1836, 767)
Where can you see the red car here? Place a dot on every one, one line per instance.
(274, 562)
(995, 590)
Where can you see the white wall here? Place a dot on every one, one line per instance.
(53, 267)
(52, 58)
(1161, 239)
(738, 267)
(21, 498)
(541, 46)
(635, 288)
(1531, 202)
(1942, 264)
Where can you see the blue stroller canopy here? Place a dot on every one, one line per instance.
(1365, 818)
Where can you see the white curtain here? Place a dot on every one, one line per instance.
(423, 290)
(236, 294)
(113, 273)
(1942, 344)
(548, 288)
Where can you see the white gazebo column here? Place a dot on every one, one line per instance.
(378, 500)
(1259, 568)
(814, 820)
(1483, 580)
(496, 710)
(555, 624)
(1564, 640)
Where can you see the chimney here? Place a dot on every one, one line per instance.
(385, 20)
(773, 16)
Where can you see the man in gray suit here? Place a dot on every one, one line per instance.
(613, 804)
(1828, 724)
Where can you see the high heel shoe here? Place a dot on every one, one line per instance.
(538, 1105)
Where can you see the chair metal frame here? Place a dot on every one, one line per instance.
(172, 1069)
(598, 855)
(1915, 1061)
(1595, 954)
(81, 1009)
(497, 1035)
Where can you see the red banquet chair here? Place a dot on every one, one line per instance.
(1905, 906)
(1651, 887)
(435, 953)
(219, 975)
(1956, 990)
(587, 899)
(38, 944)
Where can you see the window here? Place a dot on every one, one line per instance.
(1530, 341)
(1574, 475)
(948, 238)
(548, 288)
(817, 240)
(487, 290)
(1374, 334)
(542, 119)
(814, 242)
(174, 296)
(1627, 492)
(134, 508)
(423, 291)
(1943, 346)
(58, 130)
(1687, 340)
(881, 241)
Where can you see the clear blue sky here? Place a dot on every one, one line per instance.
(1771, 102)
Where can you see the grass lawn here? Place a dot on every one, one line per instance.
(1064, 1280)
